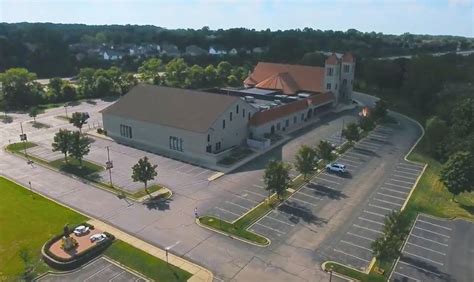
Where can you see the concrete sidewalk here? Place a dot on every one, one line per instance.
(199, 274)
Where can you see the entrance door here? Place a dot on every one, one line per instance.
(272, 130)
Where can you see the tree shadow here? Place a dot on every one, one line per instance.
(347, 174)
(299, 212)
(469, 209)
(159, 204)
(427, 269)
(6, 119)
(366, 152)
(323, 191)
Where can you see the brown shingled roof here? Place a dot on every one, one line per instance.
(348, 58)
(332, 60)
(306, 78)
(266, 116)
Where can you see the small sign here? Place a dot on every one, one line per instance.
(23, 137)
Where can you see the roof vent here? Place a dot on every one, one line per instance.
(250, 99)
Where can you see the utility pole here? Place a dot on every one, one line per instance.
(109, 165)
(65, 109)
(23, 139)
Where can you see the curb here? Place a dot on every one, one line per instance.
(335, 273)
(234, 237)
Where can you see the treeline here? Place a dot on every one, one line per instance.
(20, 91)
(44, 49)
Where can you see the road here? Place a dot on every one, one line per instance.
(296, 257)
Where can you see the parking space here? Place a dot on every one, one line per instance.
(354, 246)
(436, 250)
(336, 139)
(101, 269)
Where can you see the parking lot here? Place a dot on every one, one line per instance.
(125, 157)
(354, 247)
(302, 206)
(437, 250)
(101, 269)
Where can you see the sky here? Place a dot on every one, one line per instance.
(437, 17)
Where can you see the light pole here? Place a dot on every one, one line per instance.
(330, 273)
(65, 109)
(23, 139)
(109, 165)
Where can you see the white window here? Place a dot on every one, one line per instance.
(347, 68)
(126, 131)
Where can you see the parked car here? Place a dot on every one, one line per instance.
(98, 237)
(336, 167)
(81, 230)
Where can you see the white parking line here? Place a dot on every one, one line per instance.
(351, 157)
(359, 236)
(412, 165)
(116, 275)
(273, 229)
(379, 207)
(425, 248)
(399, 186)
(395, 191)
(252, 192)
(439, 234)
(422, 257)
(420, 268)
(293, 207)
(406, 276)
(429, 240)
(370, 220)
(330, 175)
(362, 227)
(307, 195)
(409, 173)
(292, 198)
(258, 186)
(194, 168)
(374, 213)
(402, 181)
(366, 147)
(440, 226)
(405, 177)
(387, 202)
(370, 144)
(202, 172)
(325, 186)
(410, 169)
(221, 209)
(345, 160)
(330, 181)
(97, 272)
(281, 221)
(355, 153)
(349, 165)
(247, 199)
(339, 251)
(387, 195)
(355, 245)
(237, 205)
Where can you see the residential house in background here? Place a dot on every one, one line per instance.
(170, 50)
(112, 55)
(214, 51)
(233, 52)
(193, 50)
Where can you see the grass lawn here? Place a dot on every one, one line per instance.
(73, 167)
(145, 263)
(19, 147)
(27, 221)
(371, 277)
(142, 192)
(431, 197)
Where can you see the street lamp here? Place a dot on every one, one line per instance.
(109, 165)
(331, 268)
(65, 109)
(23, 139)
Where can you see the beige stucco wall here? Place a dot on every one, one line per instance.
(155, 138)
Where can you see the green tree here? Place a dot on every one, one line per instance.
(210, 75)
(396, 228)
(86, 82)
(55, 92)
(324, 150)
(277, 177)
(367, 123)
(232, 80)
(18, 89)
(79, 147)
(144, 171)
(462, 118)
(380, 110)
(351, 132)
(149, 70)
(78, 119)
(457, 173)
(223, 71)
(103, 87)
(127, 81)
(436, 131)
(195, 77)
(68, 92)
(33, 112)
(175, 73)
(62, 142)
(305, 160)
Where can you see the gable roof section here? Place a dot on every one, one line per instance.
(306, 78)
(267, 116)
(280, 81)
(332, 60)
(172, 107)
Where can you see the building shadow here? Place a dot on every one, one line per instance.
(323, 191)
